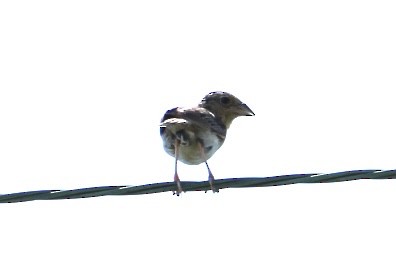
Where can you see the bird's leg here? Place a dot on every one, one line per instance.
(210, 178)
(176, 177)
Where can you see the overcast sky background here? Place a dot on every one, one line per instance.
(83, 85)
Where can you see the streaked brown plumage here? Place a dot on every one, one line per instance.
(193, 135)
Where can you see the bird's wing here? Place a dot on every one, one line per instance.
(177, 123)
(203, 118)
(197, 116)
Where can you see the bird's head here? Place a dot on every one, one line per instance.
(225, 106)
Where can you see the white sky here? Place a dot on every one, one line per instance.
(84, 84)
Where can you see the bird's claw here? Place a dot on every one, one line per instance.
(212, 184)
(179, 188)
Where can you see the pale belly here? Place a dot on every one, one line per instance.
(193, 153)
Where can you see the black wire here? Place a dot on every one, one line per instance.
(197, 186)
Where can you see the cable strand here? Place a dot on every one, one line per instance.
(189, 186)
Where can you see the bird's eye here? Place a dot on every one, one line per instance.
(224, 100)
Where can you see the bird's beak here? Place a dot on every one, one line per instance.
(244, 110)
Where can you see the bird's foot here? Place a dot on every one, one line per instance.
(212, 185)
(179, 189)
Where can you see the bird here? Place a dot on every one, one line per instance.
(193, 134)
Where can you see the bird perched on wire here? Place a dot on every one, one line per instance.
(193, 135)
